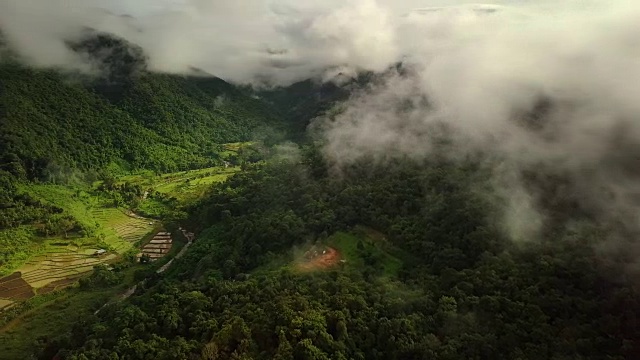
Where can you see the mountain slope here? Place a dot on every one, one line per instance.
(50, 124)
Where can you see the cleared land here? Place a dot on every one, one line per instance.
(318, 259)
(62, 264)
(158, 247)
(121, 227)
(15, 287)
(360, 248)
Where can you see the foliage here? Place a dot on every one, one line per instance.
(16, 245)
(102, 276)
(53, 312)
(161, 122)
(461, 292)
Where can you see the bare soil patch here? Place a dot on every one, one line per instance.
(319, 259)
(14, 287)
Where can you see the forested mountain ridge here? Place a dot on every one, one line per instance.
(161, 122)
(58, 128)
(71, 129)
(53, 122)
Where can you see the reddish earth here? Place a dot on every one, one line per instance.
(330, 258)
(14, 287)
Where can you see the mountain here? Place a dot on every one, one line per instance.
(291, 260)
(304, 100)
(161, 122)
(71, 129)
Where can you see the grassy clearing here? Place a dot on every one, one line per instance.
(364, 251)
(236, 146)
(372, 253)
(144, 177)
(74, 200)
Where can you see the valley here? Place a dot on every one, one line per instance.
(118, 236)
(354, 191)
(114, 231)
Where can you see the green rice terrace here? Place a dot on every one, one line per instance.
(96, 226)
(63, 261)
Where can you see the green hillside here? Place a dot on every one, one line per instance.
(61, 132)
(52, 126)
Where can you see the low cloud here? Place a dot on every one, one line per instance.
(278, 42)
(548, 96)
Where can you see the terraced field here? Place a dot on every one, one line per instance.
(5, 304)
(190, 184)
(126, 230)
(66, 262)
(158, 247)
(15, 288)
(62, 265)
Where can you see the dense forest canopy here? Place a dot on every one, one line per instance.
(463, 291)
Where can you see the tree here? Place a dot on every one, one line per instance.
(144, 258)
(284, 350)
(210, 351)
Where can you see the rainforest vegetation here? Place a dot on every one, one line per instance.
(462, 290)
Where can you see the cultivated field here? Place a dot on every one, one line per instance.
(158, 247)
(5, 304)
(125, 229)
(187, 184)
(14, 287)
(59, 264)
